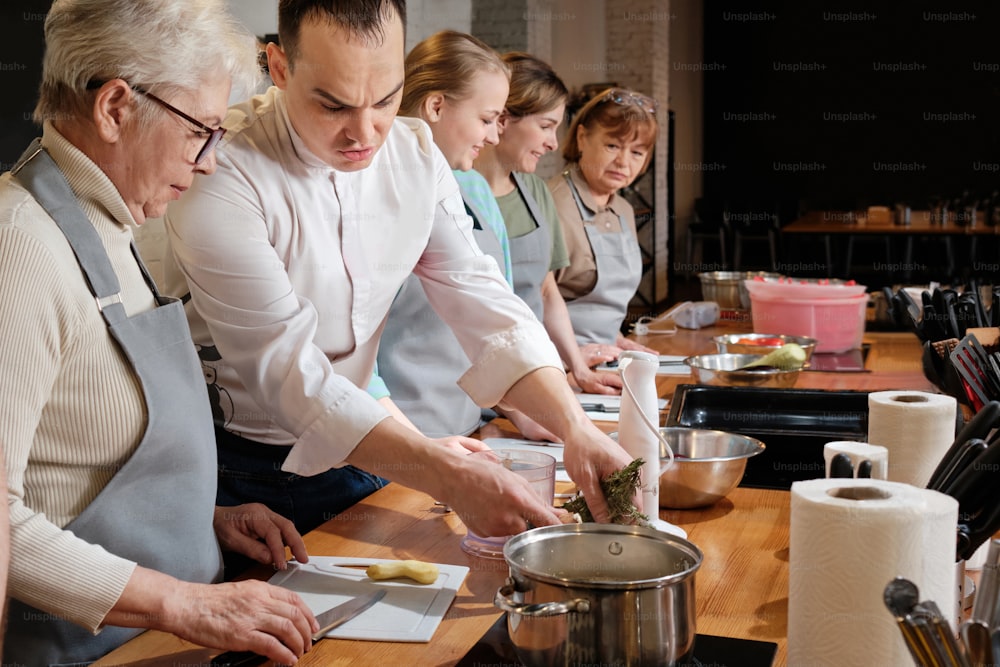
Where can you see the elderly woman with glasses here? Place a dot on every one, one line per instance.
(105, 424)
(609, 144)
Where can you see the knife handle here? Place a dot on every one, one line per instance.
(238, 659)
(965, 455)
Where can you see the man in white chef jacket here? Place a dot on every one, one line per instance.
(322, 203)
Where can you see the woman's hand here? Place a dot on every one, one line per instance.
(244, 616)
(255, 531)
(595, 354)
(629, 344)
(598, 382)
(239, 616)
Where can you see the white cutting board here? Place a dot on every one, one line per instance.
(409, 612)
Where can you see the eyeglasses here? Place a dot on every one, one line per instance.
(629, 98)
(214, 134)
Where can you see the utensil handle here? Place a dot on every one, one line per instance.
(538, 609)
(238, 659)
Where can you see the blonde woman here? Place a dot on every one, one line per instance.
(609, 144)
(458, 85)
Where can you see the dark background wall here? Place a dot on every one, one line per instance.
(21, 38)
(874, 102)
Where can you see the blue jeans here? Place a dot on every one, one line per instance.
(250, 472)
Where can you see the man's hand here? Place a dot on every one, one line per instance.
(255, 531)
(462, 444)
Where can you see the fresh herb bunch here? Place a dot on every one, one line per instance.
(619, 487)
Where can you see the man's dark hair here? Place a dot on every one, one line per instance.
(362, 18)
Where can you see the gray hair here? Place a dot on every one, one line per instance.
(158, 44)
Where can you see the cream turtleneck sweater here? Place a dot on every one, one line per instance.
(72, 411)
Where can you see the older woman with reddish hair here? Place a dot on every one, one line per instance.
(609, 144)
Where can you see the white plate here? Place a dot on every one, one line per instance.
(409, 612)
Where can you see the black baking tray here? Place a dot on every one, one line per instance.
(793, 424)
(494, 649)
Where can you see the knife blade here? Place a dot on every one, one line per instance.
(342, 613)
(599, 407)
(328, 620)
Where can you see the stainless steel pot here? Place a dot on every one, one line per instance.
(600, 594)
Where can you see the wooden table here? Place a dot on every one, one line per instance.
(741, 588)
(829, 224)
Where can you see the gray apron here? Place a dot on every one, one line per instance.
(598, 315)
(158, 509)
(531, 254)
(424, 385)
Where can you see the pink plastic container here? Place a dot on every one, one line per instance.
(837, 325)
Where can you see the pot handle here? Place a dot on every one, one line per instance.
(503, 601)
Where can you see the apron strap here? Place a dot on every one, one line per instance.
(529, 199)
(41, 176)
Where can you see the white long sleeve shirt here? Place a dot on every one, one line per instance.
(292, 267)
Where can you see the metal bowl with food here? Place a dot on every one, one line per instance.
(707, 465)
(728, 289)
(726, 370)
(761, 343)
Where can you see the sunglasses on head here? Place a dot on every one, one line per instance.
(629, 98)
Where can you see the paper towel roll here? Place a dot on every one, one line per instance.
(916, 427)
(858, 452)
(848, 539)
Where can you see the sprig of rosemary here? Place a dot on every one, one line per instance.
(619, 487)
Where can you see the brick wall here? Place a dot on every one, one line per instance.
(502, 23)
(638, 57)
(426, 17)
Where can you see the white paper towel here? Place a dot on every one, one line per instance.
(858, 452)
(916, 427)
(848, 539)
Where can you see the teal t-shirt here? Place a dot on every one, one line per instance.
(476, 191)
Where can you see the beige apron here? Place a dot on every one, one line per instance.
(597, 316)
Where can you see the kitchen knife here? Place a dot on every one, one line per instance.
(984, 607)
(841, 466)
(959, 461)
(984, 421)
(981, 527)
(974, 487)
(328, 620)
